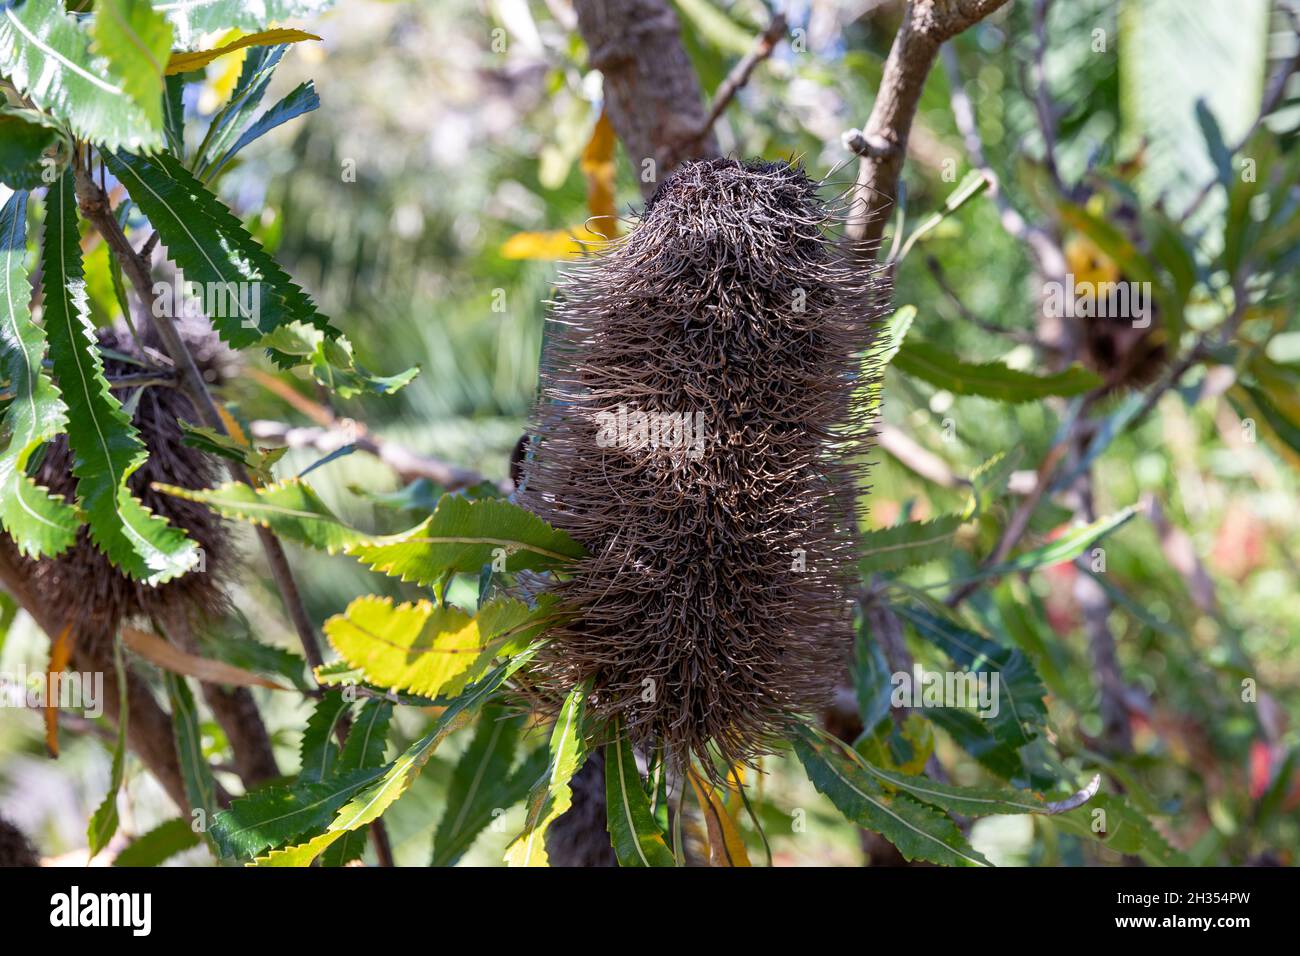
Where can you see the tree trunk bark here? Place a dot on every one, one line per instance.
(652, 95)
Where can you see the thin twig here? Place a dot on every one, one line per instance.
(741, 72)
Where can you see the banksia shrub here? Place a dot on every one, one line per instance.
(700, 430)
(82, 584)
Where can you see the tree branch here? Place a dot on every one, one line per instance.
(927, 24)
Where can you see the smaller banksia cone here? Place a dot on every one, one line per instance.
(1127, 346)
(698, 431)
(15, 850)
(82, 584)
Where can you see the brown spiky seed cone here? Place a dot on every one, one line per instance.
(1123, 355)
(81, 584)
(15, 849)
(714, 607)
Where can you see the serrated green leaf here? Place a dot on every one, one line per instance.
(275, 815)
(259, 461)
(318, 752)
(332, 362)
(551, 794)
(482, 785)
(425, 648)
(1110, 819)
(193, 18)
(909, 544)
(159, 844)
(365, 747)
(633, 832)
(104, 821)
(919, 832)
(136, 41)
(1065, 548)
(398, 776)
(173, 107)
(993, 380)
(212, 247)
(39, 523)
(1020, 692)
(302, 99)
(46, 53)
(106, 449)
(23, 144)
(462, 535)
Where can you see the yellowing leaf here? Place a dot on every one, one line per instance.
(424, 648)
(60, 655)
(185, 62)
(726, 845)
(556, 244)
(597, 165)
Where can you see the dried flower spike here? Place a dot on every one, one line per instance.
(700, 431)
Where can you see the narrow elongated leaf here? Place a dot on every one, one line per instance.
(1065, 548)
(423, 647)
(233, 118)
(365, 747)
(290, 508)
(185, 62)
(136, 41)
(635, 835)
(379, 794)
(994, 380)
(159, 844)
(909, 544)
(482, 785)
(919, 832)
(104, 821)
(302, 99)
(196, 774)
(1020, 708)
(462, 535)
(174, 114)
(40, 523)
(106, 449)
(46, 53)
(726, 845)
(22, 146)
(552, 794)
(1112, 820)
(176, 661)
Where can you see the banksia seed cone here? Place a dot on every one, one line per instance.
(82, 584)
(714, 608)
(15, 850)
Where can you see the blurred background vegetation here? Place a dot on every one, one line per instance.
(464, 150)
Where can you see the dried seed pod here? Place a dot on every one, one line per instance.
(1119, 325)
(82, 584)
(700, 430)
(15, 850)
